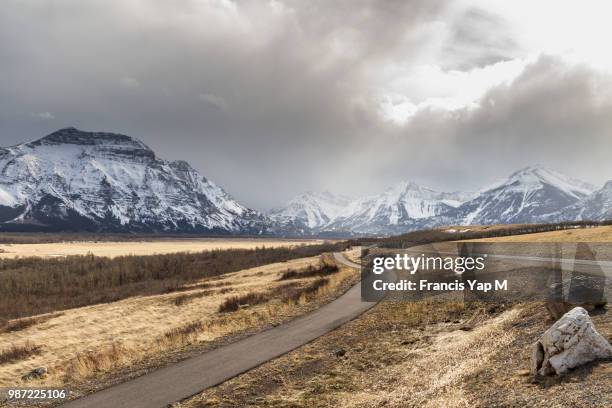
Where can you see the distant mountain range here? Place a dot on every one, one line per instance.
(530, 195)
(105, 182)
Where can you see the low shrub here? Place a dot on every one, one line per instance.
(323, 269)
(16, 353)
(234, 303)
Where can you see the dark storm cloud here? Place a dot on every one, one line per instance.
(270, 99)
(240, 89)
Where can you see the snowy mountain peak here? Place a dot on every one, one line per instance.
(403, 186)
(529, 195)
(397, 208)
(98, 181)
(311, 209)
(534, 177)
(73, 136)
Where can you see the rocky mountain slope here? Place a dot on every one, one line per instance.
(75, 180)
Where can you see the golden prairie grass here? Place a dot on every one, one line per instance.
(126, 332)
(161, 246)
(428, 376)
(595, 234)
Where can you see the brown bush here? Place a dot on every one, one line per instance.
(16, 353)
(289, 292)
(323, 269)
(182, 333)
(294, 295)
(234, 303)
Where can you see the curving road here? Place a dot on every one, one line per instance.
(188, 377)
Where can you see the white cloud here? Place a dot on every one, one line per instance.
(431, 87)
(566, 29)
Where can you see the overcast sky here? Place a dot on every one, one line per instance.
(270, 99)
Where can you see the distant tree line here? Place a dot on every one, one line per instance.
(439, 235)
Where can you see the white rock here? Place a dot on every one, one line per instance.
(571, 342)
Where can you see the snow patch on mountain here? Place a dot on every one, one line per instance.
(311, 209)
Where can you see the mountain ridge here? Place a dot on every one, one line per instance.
(533, 194)
(108, 182)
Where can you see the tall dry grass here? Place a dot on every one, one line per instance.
(260, 308)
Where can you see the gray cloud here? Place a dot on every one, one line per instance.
(270, 99)
(553, 114)
(478, 38)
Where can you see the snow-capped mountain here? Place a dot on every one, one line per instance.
(92, 181)
(95, 181)
(528, 195)
(397, 208)
(400, 207)
(311, 210)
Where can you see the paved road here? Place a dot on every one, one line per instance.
(186, 378)
(339, 257)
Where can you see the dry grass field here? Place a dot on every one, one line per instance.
(151, 247)
(596, 234)
(419, 354)
(426, 354)
(86, 346)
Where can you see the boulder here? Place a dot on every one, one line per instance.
(571, 342)
(38, 372)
